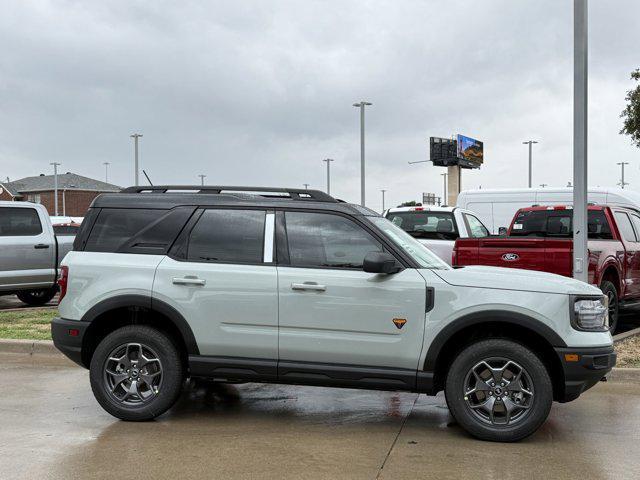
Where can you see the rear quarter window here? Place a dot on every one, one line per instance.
(116, 226)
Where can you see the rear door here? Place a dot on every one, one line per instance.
(27, 254)
(221, 277)
(632, 246)
(332, 313)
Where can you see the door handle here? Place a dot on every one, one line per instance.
(308, 286)
(188, 281)
(41, 245)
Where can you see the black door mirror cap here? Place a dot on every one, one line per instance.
(380, 262)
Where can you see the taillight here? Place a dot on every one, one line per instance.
(63, 279)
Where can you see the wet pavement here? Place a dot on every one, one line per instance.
(52, 428)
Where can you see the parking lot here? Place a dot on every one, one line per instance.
(53, 428)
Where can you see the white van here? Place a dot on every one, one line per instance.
(496, 207)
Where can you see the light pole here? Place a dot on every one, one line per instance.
(444, 198)
(361, 105)
(306, 186)
(383, 190)
(202, 177)
(55, 184)
(622, 183)
(580, 67)
(106, 171)
(328, 160)
(135, 137)
(543, 185)
(530, 143)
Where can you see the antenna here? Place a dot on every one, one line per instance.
(148, 179)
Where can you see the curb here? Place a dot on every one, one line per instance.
(28, 347)
(625, 335)
(624, 375)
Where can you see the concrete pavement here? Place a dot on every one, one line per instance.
(52, 428)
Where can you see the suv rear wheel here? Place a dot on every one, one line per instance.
(136, 373)
(498, 390)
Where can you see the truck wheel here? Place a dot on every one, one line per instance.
(136, 373)
(610, 291)
(37, 298)
(498, 390)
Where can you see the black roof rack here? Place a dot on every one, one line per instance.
(293, 193)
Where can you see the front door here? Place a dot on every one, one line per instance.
(332, 313)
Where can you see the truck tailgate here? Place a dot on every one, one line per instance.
(543, 254)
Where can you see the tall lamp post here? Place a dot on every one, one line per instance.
(135, 137)
(55, 185)
(383, 191)
(202, 177)
(106, 171)
(580, 67)
(361, 105)
(328, 160)
(530, 143)
(622, 182)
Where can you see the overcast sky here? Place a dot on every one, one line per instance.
(259, 92)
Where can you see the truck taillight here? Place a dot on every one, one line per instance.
(63, 279)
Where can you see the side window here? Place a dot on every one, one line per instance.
(324, 240)
(115, 226)
(599, 228)
(475, 226)
(624, 224)
(232, 236)
(19, 222)
(636, 223)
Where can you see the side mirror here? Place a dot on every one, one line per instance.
(502, 231)
(380, 262)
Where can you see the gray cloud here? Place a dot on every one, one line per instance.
(258, 92)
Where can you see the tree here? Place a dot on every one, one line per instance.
(631, 113)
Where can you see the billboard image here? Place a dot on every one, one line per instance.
(470, 152)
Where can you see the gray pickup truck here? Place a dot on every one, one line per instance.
(30, 252)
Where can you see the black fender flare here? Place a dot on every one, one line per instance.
(488, 316)
(144, 301)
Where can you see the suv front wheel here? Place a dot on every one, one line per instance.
(136, 373)
(498, 390)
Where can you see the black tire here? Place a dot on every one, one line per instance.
(609, 289)
(505, 350)
(37, 298)
(171, 378)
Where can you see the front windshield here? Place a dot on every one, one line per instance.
(416, 250)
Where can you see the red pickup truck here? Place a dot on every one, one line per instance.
(540, 238)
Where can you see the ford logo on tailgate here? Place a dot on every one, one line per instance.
(510, 257)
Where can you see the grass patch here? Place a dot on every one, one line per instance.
(628, 352)
(30, 324)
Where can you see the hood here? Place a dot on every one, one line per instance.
(515, 279)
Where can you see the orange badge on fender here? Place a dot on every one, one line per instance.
(399, 322)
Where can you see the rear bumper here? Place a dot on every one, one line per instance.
(580, 375)
(67, 337)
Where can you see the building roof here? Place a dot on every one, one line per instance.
(68, 181)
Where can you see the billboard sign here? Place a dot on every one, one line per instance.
(470, 152)
(442, 151)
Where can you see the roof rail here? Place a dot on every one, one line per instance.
(293, 193)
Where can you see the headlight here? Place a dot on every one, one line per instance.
(590, 313)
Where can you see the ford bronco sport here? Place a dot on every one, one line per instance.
(293, 286)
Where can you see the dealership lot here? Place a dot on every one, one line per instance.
(53, 428)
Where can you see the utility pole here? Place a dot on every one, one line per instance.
(306, 186)
(135, 137)
(383, 190)
(530, 143)
(580, 98)
(444, 198)
(361, 105)
(106, 171)
(202, 177)
(328, 160)
(622, 182)
(543, 185)
(55, 184)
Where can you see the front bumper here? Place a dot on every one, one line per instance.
(67, 337)
(583, 368)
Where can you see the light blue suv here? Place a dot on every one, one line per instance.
(293, 286)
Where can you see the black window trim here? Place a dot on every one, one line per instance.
(283, 247)
(179, 250)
